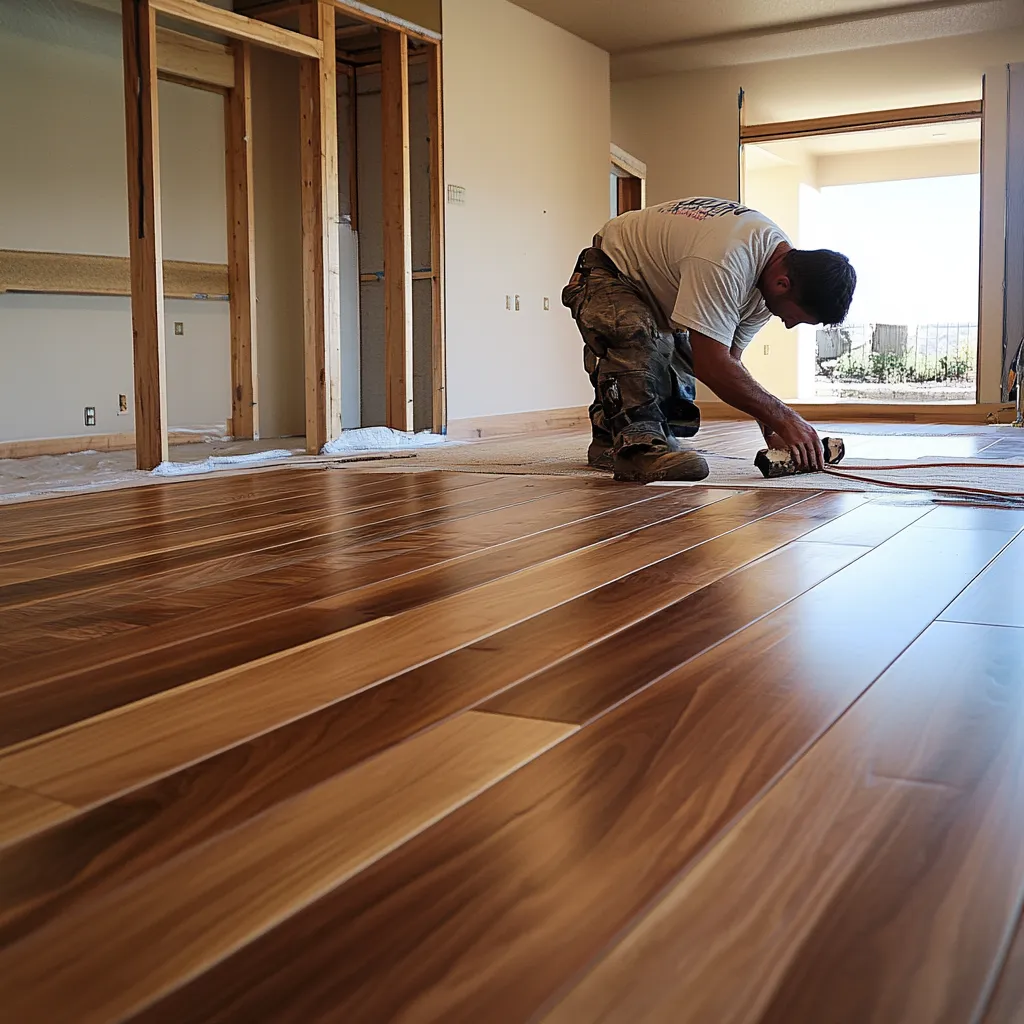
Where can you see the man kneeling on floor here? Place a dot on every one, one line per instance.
(677, 292)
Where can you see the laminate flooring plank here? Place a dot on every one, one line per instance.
(292, 540)
(330, 550)
(490, 912)
(1006, 1004)
(875, 882)
(121, 671)
(180, 528)
(995, 596)
(224, 538)
(65, 512)
(966, 517)
(323, 557)
(100, 962)
(118, 840)
(871, 524)
(597, 678)
(208, 506)
(22, 813)
(95, 759)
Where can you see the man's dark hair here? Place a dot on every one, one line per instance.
(823, 283)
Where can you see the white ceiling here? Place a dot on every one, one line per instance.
(648, 37)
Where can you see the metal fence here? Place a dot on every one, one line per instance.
(898, 352)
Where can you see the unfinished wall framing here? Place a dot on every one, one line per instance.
(322, 35)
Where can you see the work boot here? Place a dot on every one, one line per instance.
(657, 460)
(599, 455)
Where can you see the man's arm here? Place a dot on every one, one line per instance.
(715, 365)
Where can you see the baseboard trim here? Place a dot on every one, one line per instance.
(518, 423)
(87, 443)
(954, 414)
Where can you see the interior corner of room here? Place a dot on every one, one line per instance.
(396, 258)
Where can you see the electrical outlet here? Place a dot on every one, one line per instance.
(122, 405)
(90, 415)
(179, 328)
(547, 302)
(767, 349)
(517, 303)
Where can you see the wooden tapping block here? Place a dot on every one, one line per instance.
(57, 273)
(775, 462)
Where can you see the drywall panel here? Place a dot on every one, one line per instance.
(899, 164)
(527, 135)
(276, 173)
(62, 177)
(426, 13)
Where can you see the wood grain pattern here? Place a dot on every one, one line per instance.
(187, 58)
(435, 127)
(324, 745)
(22, 813)
(397, 201)
(994, 597)
(104, 755)
(241, 219)
(487, 914)
(185, 916)
(45, 693)
(145, 244)
(120, 840)
(913, 843)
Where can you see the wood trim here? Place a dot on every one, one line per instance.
(241, 247)
(88, 442)
(138, 29)
(395, 169)
(520, 423)
(869, 121)
(181, 57)
(953, 413)
(369, 15)
(625, 162)
(373, 16)
(240, 27)
(435, 126)
(576, 417)
(58, 273)
(321, 256)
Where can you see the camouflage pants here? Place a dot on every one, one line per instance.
(641, 370)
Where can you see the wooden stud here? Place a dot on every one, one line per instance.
(242, 248)
(869, 121)
(138, 28)
(321, 255)
(397, 230)
(435, 122)
(239, 27)
(353, 149)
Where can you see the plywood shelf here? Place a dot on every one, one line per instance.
(58, 273)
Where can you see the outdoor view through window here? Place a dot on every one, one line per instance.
(903, 204)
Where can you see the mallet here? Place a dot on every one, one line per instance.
(775, 462)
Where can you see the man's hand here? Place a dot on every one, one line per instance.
(792, 431)
(720, 368)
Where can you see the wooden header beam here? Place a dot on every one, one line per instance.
(189, 59)
(240, 27)
(937, 113)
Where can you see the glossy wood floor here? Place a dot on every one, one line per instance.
(331, 745)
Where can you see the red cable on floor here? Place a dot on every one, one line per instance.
(844, 472)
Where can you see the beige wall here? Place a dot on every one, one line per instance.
(898, 164)
(685, 126)
(527, 135)
(62, 188)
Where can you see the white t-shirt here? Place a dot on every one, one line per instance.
(700, 258)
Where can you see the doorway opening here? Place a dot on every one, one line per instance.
(903, 203)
